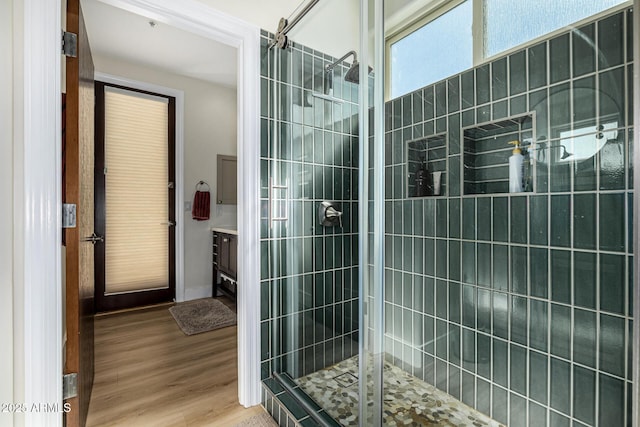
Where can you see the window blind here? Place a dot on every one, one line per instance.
(136, 185)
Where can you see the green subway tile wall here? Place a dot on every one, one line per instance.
(524, 300)
(309, 286)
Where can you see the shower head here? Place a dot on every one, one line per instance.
(565, 153)
(353, 73)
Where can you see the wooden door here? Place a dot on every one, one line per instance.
(78, 189)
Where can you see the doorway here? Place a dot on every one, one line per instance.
(135, 197)
(39, 108)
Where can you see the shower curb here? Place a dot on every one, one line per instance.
(283, 404)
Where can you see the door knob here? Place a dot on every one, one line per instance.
(94, 238)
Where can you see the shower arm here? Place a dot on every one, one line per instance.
(333, 65)
(284, 26)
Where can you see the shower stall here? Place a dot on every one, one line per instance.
(403, 281)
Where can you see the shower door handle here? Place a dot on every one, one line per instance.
(273, 188)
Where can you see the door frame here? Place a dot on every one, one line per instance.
(38, 306)
(195, 17)
(178, 162)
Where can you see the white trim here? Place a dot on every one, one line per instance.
(195, 17)
(37, 208)
(179, 163)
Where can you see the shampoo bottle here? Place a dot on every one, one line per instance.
(516, 163)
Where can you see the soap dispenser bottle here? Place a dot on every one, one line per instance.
(516, 163)
(422, 181)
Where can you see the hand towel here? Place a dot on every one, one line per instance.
(201, 206)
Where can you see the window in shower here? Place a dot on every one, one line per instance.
(508, 24)
(442, 44)
(418, 58)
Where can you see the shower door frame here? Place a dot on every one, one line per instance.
(636, 214)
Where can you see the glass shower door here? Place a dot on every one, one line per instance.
(502, 307)
(311, 188)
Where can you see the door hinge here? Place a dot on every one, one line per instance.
(69, 215)
(69, 386)
(69, 44)
(171, 185)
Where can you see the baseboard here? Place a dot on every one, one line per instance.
(196, 293)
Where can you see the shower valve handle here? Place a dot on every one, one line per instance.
(332, 212)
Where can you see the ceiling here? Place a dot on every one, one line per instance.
(126, 36)
(118, 34)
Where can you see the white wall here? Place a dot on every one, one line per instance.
(210, 129)
(6, 208)
(332, 26)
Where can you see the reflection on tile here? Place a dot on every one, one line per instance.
(517, 76)
(583, 50)
(584, 270)
(561, 331)
(538, 377)
(484, 213)
(561, 276)
(611, 408)
(612, 164)
(612, 283)
(612, 212)
(610, 45)
(560, 385)
(539, 272)
(559, 58)
(612, 348)
(560, 221)
(500, 219)
(468, 89)
(584, 221)
(482, 85)
(519, 219)
(611, 96)
(500, 362)
(499, 78)
(538, 325)
(539, 221)
(537, 65)
(584, 399)
(584, 336)
(537, 415)
(519, 274)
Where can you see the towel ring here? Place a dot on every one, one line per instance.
(201, 184)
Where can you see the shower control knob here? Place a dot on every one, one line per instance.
(333, 213)
(329, 214)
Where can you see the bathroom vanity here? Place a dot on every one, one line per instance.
(225, 261)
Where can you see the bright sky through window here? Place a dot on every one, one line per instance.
(440, 49)
(509, 23)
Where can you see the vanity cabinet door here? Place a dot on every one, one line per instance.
(233, 256)
(223, 252)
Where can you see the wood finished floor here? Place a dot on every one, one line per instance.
(148, 373)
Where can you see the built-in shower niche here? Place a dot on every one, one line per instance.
(427, 166)
(487, 151)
